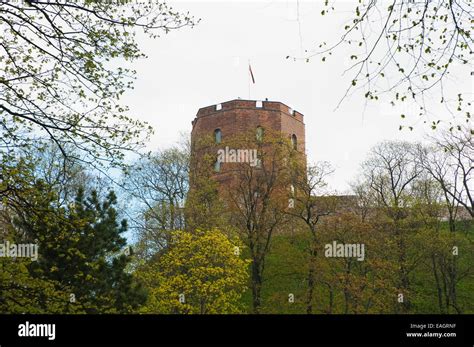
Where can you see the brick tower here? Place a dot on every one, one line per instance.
(234, 117)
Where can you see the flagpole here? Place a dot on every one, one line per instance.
(249, 79)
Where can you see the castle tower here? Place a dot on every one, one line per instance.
(235, 117)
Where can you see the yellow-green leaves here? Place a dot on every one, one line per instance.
(199, 273)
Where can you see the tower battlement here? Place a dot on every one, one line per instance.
(256, 105)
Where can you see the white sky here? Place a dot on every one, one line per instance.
(192, 68)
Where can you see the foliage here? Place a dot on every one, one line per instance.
(57, 79)
(201, 272)
(20, 290)
(258, 196)
(449, 162)
(287, 265)
(204, 208)
(406, 50)
(310, 206)
(157, 186)
(79, 245)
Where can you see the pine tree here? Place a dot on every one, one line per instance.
(81, 248)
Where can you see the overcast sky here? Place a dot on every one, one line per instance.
(192, 68)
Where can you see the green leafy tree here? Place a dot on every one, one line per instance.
(362, 285)
(391, 172)
(311, 205)
(20, 290)
(204, 208)
(258, 196)
(202, 272)
(59, 78)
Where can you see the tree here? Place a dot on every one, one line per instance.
(59, 172)
(202, 272)
(451, 263)
(366, 284)
(257, 197)
(80, 249)
(391, 171)
(404, 201)
(365, 199)
(310, 206)
(62, 174)
(406, 51)
(204, 207)
(157, 186)
(57, 80)
(20, 291)
(449, 161)
(446, 251)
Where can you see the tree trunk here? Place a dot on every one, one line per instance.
(311, 273)
(256, 286)
(403, 273)
(438, 286)
(452, 273)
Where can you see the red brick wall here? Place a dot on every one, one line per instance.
(241, 116)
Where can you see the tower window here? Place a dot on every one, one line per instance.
(218, 135)
(218, 107)
(259, 134)
(294, 141)
(259, 104)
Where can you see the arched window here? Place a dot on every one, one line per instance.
(259, 134)
(218, 135)
(294, 141)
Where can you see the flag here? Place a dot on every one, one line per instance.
(251, 74)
